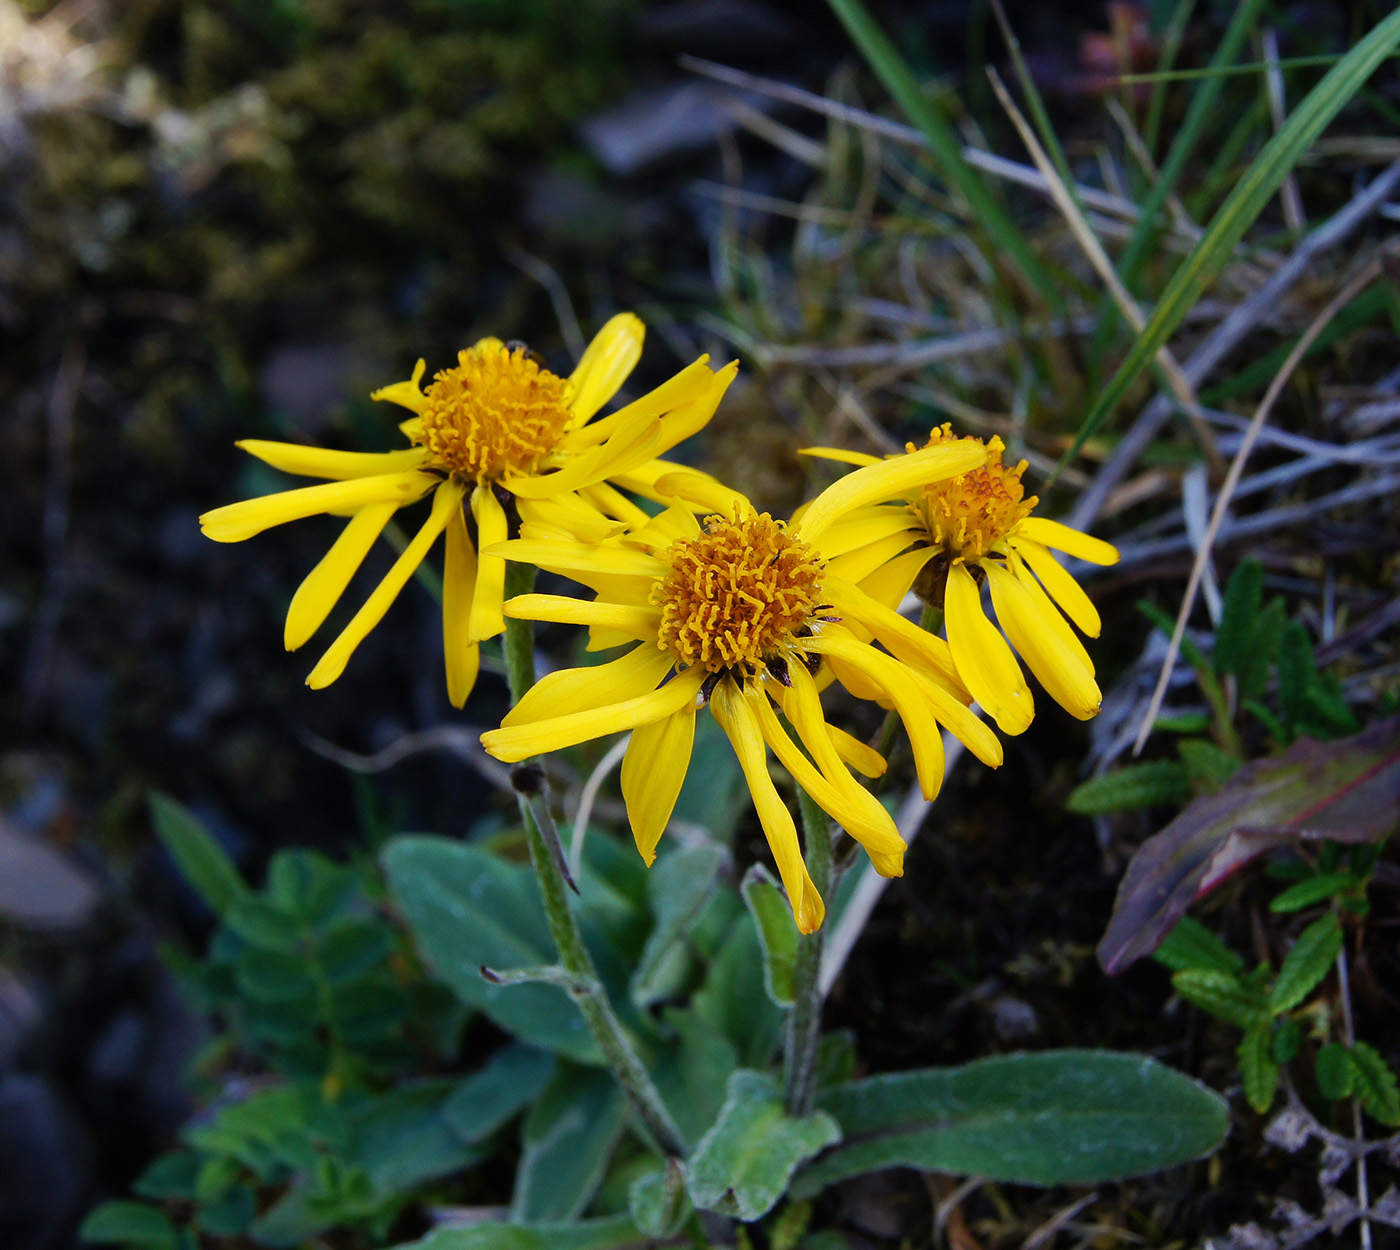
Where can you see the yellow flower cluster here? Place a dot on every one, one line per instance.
(717, 604)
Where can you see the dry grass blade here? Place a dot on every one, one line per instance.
(1103, 266)
(1339, 301)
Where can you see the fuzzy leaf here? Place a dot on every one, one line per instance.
(512, 1078)
(1343, 791)
(1192, 945)
(657, 1200)
(1375, 1084)
(1336, 1076)
(1257, 1067)
(1056, 1117)
(1221, 994)
(776, 932)
(1156, 783)
(1307, 963)
(611, 1233)
(742, 1166)
(681, 885)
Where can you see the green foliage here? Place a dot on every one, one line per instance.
(203, 861)
(1057, 1117)
(771, 914)
(1151, 784)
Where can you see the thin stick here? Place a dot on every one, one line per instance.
(545, 275)
(587, 798)
(1363, 1199)
(1289, 194)
(1232, 479)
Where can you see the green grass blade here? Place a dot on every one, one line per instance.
(944, 145)
(1240, 211)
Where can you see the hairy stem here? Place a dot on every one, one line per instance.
(584, 986)
(804, 1031)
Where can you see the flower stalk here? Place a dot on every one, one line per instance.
(802, 1041)
(583, 985)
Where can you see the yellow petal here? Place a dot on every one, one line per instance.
(1062, 538)
(895, 578)
(1060, 670)
(340, 465)
(680, 423)
(485, 619)
(461, 655)
(628, 446)
(567, 517)
(737, 717)
(633, 620)
(570, 690)
(406, 394)
(666, 481)
(236, 521)
(567, 557)
(1045, 610)
(840, 454)
(871, 524)
(691, 383)
(607, 361)
(652, 773)
(1064, 590)
(323, 586)
(890, 479)
(844, 799)
(332, 664)
(865, 759)
(613, 504)
(983, 660)
(902, 637)
(908, 696)
(517, 742)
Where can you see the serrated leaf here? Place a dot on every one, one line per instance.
(742, 1166)
(776, 933)
(605, 1234)
(1310, 960)
(1244, 597)
(204, 863)
(680, 886)
(512, 1079)
(1252, 674)
(1374, 1084)
(1057, 1117)
(1286, 1039)
(1336, 1075)
(1311, 890)
(657, 1201)
(1192, 945)
(469, 908)
(129, 1223)
(1152, 784)
(1222, 995)
(1258, 1070)
(1342, 791)
(1297, 672)
(1207, 766)
(567, 1141)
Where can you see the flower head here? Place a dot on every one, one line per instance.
(741, 615)
(945, 539)
(496, 430)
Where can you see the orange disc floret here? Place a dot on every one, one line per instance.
(736, 595)
(969, 515)
(497, 411)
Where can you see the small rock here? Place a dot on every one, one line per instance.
(660, 123)
(39, 888)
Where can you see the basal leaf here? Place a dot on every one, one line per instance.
(1336, 1076)
(778, 935)
(131, 1224)
(742, 1166)
(680, 886)
(512, 1079)
(1344, 791)
(606, 1234)
(1058, 1117)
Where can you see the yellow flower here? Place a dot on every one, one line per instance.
(944, 539)
(743, 615)
(496, 427)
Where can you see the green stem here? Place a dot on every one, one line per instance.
(804, 1031)
(585, 988)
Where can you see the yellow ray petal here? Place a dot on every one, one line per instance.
(867, 761)
(665, 481)
(652, 773)
(895, 578)
(461, 655)
(332, 664)
(340, 465)
(1062, 538)
(840, 454)
(902, 637)
(690, 418)
(517, 742)
(736, 716)
(567, 557)
(983, 660)
(633, 620)
(1045, 609)
(890, 479)
(565, 517)
(870, 524)
(907, 694)
(689, 384)
(857, 565)
(1042, 646)
(412, 428)
(485, 619)
(1064, 590)
(323, 586)
(627, 447)
(677, 521)
(605, 365)
(570, 690)
(850, 804)
(236, 521)
(613, 504)
(406, 394)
